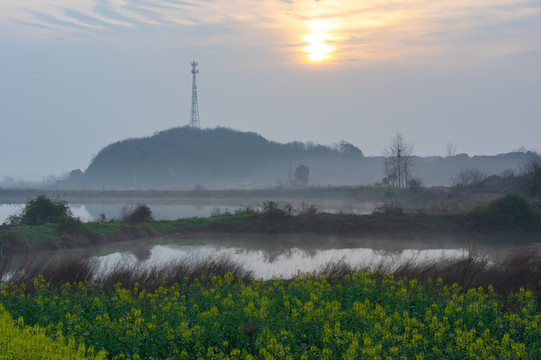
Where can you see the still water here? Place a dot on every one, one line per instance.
(272, 255)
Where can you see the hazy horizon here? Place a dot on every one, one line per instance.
(77, 76)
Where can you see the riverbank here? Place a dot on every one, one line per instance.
(510, 214)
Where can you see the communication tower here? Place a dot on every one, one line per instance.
(194, 118)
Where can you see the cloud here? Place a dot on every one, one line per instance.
(105, 9)
(85, 18)
(52, 20)
(376, 29)
(40, 26)
(148, 14)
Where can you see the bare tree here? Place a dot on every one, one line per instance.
(451, 150)
(471, 177)
(398, 162)
(531, 174)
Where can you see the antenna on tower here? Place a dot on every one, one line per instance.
(194, 118)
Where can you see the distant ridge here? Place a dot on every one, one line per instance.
(189, 158)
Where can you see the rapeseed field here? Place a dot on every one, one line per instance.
(359, 316)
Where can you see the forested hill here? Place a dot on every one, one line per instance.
(220, 158)
(187, 157)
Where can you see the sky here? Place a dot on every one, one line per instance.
(76, 76)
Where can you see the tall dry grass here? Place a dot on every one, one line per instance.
(81, 268)
(520, 268)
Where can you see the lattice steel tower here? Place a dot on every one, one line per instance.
(194, 118)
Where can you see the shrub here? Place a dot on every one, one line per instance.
(388, 209)
(307, 210)
(509, 212)
(41, 210)
(70, 225)
(141, 213)
(246, 211)
(275, 210)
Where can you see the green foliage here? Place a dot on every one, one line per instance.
(21, 342)
(42, 210)
(510, 212)
(246, 211)
(178, 226)
(39, 233)
(275, 210)
(141, 213)
(360, 316)
(70, 225)
(102, 228)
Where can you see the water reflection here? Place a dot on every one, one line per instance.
(282, 264)
(282, 255)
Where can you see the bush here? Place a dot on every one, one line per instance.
(70, 225)
(141, 213)
(275, 210)
(42, 210)
(388, 209)
(509, 212)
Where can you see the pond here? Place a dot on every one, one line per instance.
(272, 255)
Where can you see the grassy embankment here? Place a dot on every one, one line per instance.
(508, 214)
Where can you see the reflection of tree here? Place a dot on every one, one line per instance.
(273, 255)
(142, 253)
(388, 252)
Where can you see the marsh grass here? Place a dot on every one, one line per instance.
(81, 268)
(520, 268)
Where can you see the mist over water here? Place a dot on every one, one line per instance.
(286, 264)
(283, 255)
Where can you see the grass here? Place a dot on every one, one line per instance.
(75, 269)
(511, 214)
(522, 268)
(102, 228)
(179, 226)
(37, 233)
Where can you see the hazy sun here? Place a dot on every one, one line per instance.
(318, 50)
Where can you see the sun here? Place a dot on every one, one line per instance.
(318, 50)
